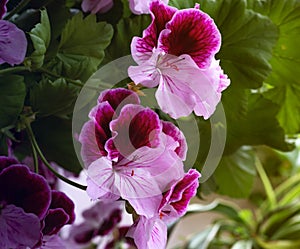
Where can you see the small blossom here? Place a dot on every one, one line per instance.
(97, 6)
(142, 6)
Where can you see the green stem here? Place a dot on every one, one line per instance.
(266, 182)
(16, 10)
(44, 160)
(18, 69)
(35, 159)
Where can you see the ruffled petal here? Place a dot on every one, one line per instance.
(141, 48)
(18, 228)
(6, 162)
(13, 43)
(171, 130)
(176, 200)
(53, 242)
(119, 97)
(191, 32)
(24, 189)
(101, 181)
(135, 127)
(149, 233)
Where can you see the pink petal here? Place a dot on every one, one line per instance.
(97, 6)
(13, 43)
(18, 228)
(149, 233)
(95, 133)
(171, 130)
(118, 97)
(191, 32)
(176, 200)
(141, 48)
(135, 127)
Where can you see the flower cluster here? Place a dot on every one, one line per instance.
(31, 214)
(176, 53)
(130, 154)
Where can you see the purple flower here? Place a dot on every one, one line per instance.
(128, 151)
(142, 6)
(176, 53)
(28, 209)
(149, 233)
(100, 220)
(175, 201)
(13, 43)
(24, 200)
(97, 6)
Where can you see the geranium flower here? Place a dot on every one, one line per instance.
(142, 6)
(30, 213)
(97, 6)
(128, 149)
(13, 42)
(152, 232)
(176, 53)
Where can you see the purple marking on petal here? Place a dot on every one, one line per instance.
(7, 161)
(119, 97)
(95, 133)
(24, 189)
(53, 242)
(176, 200)
(17, 228)
(171, 130)
(135, 127)
(97, 6)
(191, 32)
(13, 43)
(141, 48)
(3, 8)
(149, 233)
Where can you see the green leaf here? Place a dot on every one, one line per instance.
(40, 36)
(247, 40)
(12, 95)
(125, 30)
(53, 98)
(81, 48)
(259, 126)
(236, 173)
(54, 136)
(285, 62)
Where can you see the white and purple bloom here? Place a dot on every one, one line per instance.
(29, 211)
(142, 6)
(152, 232)
(127, 150)
(176, 53)
(97, 6)
(13, 42)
